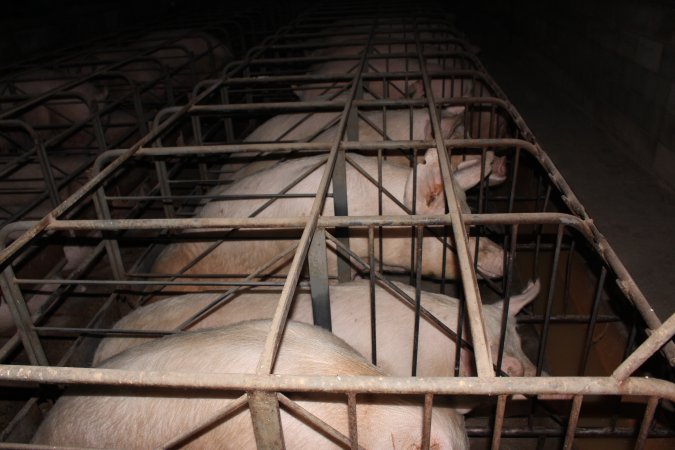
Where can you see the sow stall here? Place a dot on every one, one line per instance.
(59, 114)
(602, 361)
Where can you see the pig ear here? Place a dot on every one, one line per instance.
(101, 94)
(467, 88)
(429, 181)
(75, 256)
(415, 89)
(427, 130)
(512, 366)
(451, 118)
(518, 302)
(180, 140)
(467, 174)
(452, 111)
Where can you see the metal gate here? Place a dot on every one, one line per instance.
(598, 377)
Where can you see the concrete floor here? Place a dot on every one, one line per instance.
(630, 207)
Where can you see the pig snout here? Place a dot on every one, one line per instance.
(514, 361)
(490, 258)
(133, 419)
(498, 174)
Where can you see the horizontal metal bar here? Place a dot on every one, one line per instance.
(568, 318)
(324, 221)
(491, 386)
(581, 432)
(150, 283)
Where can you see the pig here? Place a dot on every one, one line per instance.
(35, 303)
(173, 51)
(57, 113)
(396, 88)
(321, 127)
(27, 181)
(138, 419)
(23, 185)
(350, 314)
(179, 46)
(245, 256)
(386, 43)
(445, 87)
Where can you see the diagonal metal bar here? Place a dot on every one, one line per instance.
(468, 276)
(651, 345)
(266, 361)
(184, 438)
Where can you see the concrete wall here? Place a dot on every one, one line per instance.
(615, 58)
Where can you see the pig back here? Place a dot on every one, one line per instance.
(243, 256)
(350, 311)
(132, 419)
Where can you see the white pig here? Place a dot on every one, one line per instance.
(351, 315)
(56, 113)
(387, 43)
(142, 420)
(396, 88)
(321, 127)
(172, 55)
(245, 256)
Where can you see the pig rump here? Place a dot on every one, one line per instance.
(146, 420)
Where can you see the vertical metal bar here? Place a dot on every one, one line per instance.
(266, 420)
(341, 209)
(549, 301)
(593, 320)
(373, 311)
(568, 277)
(50, 183)
(165, 189)
(537, 250)
(414, 211)
(414, 195)
(138, 109)
(111, 245)
(507, 295)
(461, 316)
(197, 130)
(318, 280)
(380, 242)
(572, 422)
(280, 314)
(499, 422)
(467, 274)
(98, 129)
(340, 186)
(647, 419)
(426, 421)
(514, 179)
(199, 141)
(225, 100)
(482, 183)
(444, 259)
(418, 295)
(21, 315)
(352, 418)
